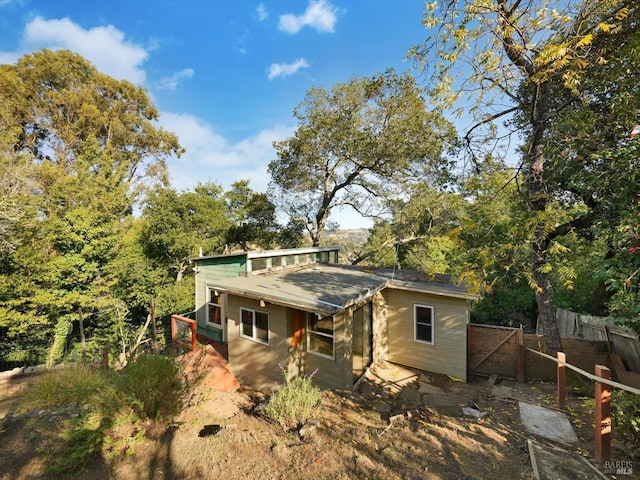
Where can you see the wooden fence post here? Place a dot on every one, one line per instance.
(105, 357)
(82, 339)
(520, 355)
(562, 381)
(603, 415)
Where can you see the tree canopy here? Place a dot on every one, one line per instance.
(356, 143)
(518, 58)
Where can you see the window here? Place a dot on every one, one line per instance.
(258, 264)
(214, 309)
(424, 323)
(254, 325)
(320, 335)
(324, 257)
(276, 262)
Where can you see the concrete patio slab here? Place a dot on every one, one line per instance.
(550, 424)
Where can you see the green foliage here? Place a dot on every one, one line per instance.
(72, 384)
(153, 387)
(176, 225)
(254, 218)
(91, 149)
(625, 414)
(294, 402)
(114, 406)
(355, 144)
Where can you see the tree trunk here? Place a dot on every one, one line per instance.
(538, 202)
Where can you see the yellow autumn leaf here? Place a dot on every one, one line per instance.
(586, 40)
(606, 27)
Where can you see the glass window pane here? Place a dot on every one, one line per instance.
(423, 315)
(258, 264)
(321, 344)
(214, 314)
(423, 332)
(324, 324)
(262, 326)
(247, 323)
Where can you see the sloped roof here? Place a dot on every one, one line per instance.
(327, 288)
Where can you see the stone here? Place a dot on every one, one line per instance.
(472, 412)
(430, 389)
(443, 400)
(382, 406)
(410, 395)
(308, 431)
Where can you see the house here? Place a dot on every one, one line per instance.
(301, 309)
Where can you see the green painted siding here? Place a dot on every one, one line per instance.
(208, 271)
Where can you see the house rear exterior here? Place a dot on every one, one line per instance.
(302, 310)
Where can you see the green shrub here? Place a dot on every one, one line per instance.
(153, 386)
(294, 402)
(625, 413)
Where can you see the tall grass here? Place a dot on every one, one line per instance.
(74, 384)
(151, 388)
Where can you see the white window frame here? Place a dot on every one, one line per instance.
(211, 292)
(415, 324)
(253, 336)
(310, 332)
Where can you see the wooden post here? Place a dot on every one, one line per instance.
(82, 339)
(562, 381)
(153, 324)
(520, 355)
(105, 357)
(603, 415)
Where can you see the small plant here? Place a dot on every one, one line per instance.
(294, 402)
(153, 386)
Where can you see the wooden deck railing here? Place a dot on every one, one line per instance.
(183, 333)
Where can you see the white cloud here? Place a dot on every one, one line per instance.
(262, 12)
(286, 69)
(104, 46)
(320, 14)
(171, 82)
(211, 157)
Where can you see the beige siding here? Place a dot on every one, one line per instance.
(448, 354)
(254, 364)
(380, 329)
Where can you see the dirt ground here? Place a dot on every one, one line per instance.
(351, 438)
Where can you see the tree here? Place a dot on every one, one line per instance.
(253, 217)
(92, 151)
(178, 225)
(520, 53)
(17, 178)
(360, 141)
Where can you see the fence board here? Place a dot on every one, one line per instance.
(492, 350)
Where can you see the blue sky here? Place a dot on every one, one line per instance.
(224, 74)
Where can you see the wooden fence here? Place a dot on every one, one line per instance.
(623, 342)
(507, 352)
